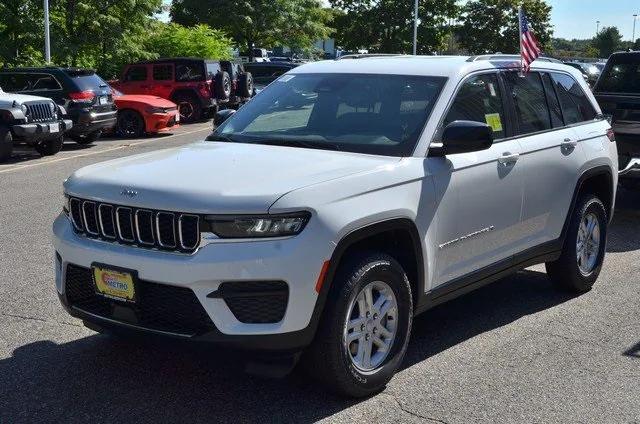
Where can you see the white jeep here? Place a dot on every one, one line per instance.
(343, 200)
(32, 120)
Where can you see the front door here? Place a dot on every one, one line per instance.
(136, 80)
(162, 80)
(480, 193)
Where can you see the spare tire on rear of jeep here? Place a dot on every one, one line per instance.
(222, 86)
(245, 85)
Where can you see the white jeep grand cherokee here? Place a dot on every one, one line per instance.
(343, 200)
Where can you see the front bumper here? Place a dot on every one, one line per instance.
(157, 122)
(296, 261)
(87, 122)
(41, 131)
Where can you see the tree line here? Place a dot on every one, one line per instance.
(605, 42)
(105, 34)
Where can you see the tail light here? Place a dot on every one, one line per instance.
(203, 88)
(611, 135)
(82, 96)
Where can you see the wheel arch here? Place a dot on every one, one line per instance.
(133, 110)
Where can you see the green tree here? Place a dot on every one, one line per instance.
(607, 41)
(174, 40)
(259, 23)
(491, 26)
(386, 26)
(20, 32)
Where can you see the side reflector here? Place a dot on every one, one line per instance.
(321, 277)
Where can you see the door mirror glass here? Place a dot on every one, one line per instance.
(222, 116)
(466, 136)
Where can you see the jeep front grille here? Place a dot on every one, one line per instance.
(146, 228)
(40, 112)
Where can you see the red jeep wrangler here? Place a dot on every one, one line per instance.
(199, 87)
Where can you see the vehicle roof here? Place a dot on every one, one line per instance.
(443, 66)
(45, 68)
(175, 59)
(281, 64)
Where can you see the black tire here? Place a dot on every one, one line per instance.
(328, 358)
(87, 138)
(245, 85)
(566, 272)
(6, 143)
(50, 147)
(222, 86)
(130, 124)
(189, 107)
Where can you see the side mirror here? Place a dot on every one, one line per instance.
(464, 137)
(222, 116)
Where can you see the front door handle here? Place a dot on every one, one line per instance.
(569, 143)
(507, 158)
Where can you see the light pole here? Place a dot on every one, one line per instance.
(597, 27)
(415, 29)
(633, 38)
(47, 40)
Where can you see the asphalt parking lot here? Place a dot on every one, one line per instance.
(515, 351)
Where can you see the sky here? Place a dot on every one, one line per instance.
(577, 18)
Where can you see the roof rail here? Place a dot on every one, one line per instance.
(500, 56)
(366, 55)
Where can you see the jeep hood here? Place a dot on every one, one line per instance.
(7, 99)
(215, 177)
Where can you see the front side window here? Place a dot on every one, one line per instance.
(136, 73)
(479, 100)
(530, 103)
(575, 104)
(14, 83)
(365, 113)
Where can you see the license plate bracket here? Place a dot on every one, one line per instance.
(54, 128)
(115, 283)
(103, 100)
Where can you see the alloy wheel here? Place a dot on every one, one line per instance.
(588, 243)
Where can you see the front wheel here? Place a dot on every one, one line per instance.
(50, 147)
(581, 260)
(365, 329)
(130, 124)
(6, 143)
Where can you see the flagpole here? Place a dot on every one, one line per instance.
(520, 40)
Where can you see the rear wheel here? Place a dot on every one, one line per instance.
(245, 85)
(6, 143)
(130, 124)
(87, 138)
(50, 147)
(581, 260)
(222, 86)
(365, 328)
(189, 107)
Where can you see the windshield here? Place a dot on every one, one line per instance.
(362, 113)
(622, 75)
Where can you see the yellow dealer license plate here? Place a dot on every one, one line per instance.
(114, 284)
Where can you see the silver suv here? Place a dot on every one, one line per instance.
(340, 202)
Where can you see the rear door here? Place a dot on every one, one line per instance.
(136, 80)
(162, 80)
(551, 152)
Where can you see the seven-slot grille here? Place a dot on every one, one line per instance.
(40, 112)
(142, 227)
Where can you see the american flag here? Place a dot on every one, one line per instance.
(529, 47)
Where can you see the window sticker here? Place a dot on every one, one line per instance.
(494, 121)
(286, 78)
(492, 90)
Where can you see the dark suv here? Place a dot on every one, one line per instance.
(199, 87)
(84, 95)
(618, 93)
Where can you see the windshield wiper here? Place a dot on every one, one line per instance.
(220, 137)
(300, 143)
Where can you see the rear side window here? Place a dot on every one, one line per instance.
(163, 72)
(479, 100)
(575, 104)
(212, 70)
(622, 75)
(189, 72)
(530, 103)
(136, 73)
(554, 105)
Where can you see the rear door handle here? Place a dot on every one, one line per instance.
(507, 158)
(569, 143)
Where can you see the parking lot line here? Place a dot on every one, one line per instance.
(97, 152)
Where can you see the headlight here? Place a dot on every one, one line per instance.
(52, 106)
(65, 204)
(154, 109)
(24, 109)
(258, 226)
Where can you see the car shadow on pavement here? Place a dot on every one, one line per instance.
(102, 378)
(624, 231)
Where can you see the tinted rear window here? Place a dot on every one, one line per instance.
(86, 80)
(622, 75)
(190, 72)
(576, 106)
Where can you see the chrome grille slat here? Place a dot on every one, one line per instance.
(40, 112)
(144, 228)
